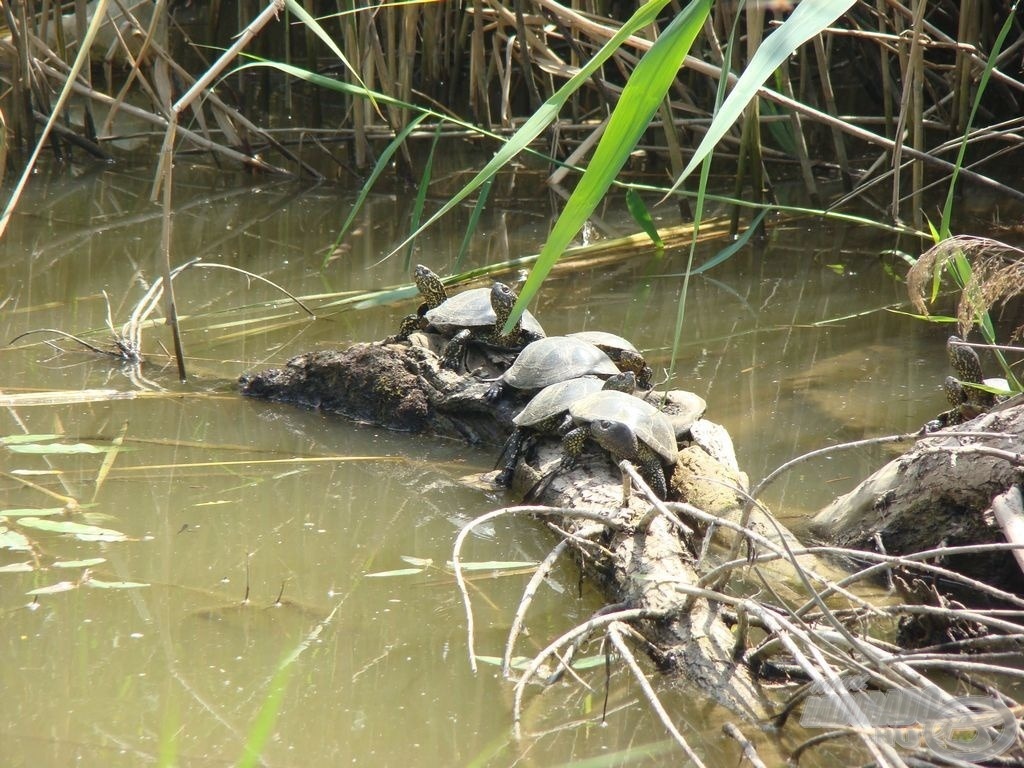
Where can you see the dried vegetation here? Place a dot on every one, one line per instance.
(888, 88)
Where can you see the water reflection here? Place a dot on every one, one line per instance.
(225, 499)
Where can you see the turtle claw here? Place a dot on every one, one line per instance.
(494, 392)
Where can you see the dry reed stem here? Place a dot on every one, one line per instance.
(997, 275)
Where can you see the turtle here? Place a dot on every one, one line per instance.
(475, 312)
(549, 361)
(683, 409)
(547, 413)
(966, 401)
(622, 352)
(433, 293)
(628, 428)
(465, 318)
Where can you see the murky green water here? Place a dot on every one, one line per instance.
(222, 498)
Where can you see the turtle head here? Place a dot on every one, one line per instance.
(617, 438)
(503, 299)
(965, 360)
(628, 360)
(622, 382)
(430, 286)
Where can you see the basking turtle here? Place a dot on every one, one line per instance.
(546, 413)
(621, 351)
(475, 310)
(551, 360)
(626, 427)
(479, 315)
(432, 291)
(966, 401)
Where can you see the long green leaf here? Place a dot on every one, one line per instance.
(808, 20)
(548, 112)
(421, 195)
(303, 15)
(726, 253)
(382, 162)
(640, 99)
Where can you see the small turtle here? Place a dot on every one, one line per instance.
(683, 409)
(549, 361)
(626, 427)
(479, 315)
(621, 351)
(432, 291)
(547, 413)
(966, 401)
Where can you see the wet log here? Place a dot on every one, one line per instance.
(397, 386)
(940, 494)
(642, 561)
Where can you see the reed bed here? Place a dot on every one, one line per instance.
(872, 108)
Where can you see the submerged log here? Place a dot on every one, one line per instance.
(940, 494)
(643, 561)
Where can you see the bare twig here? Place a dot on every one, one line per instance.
(615, 632)
(595, 515)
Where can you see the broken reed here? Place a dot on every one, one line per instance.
(904, 72)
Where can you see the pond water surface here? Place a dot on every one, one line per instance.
(257, 528)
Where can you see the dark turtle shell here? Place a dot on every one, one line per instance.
(554, 359)
(621, 351)
(604, 340)
(651, 426)
(472, 309)
(555, 399)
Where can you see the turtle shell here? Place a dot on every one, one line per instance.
(472, 309)
(604, 339)
(650, 425)
(556, 398)
(683, 409)
(554, 359)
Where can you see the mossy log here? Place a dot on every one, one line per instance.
(642, 566)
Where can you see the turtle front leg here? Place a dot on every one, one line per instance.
(409, 324)
(648, 463)
(573, 442)
(455, 350)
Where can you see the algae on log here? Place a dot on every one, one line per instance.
(644, 566)
(396, 386)
(939, 494)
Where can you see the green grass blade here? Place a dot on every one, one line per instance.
(303, 15)
(642, 216)
(808, 20)
(726, 253)
(382, 163)
(640, 99)
(474, 222)
(263, 726)
(421, 196)
(548, 112)
(698, 212)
